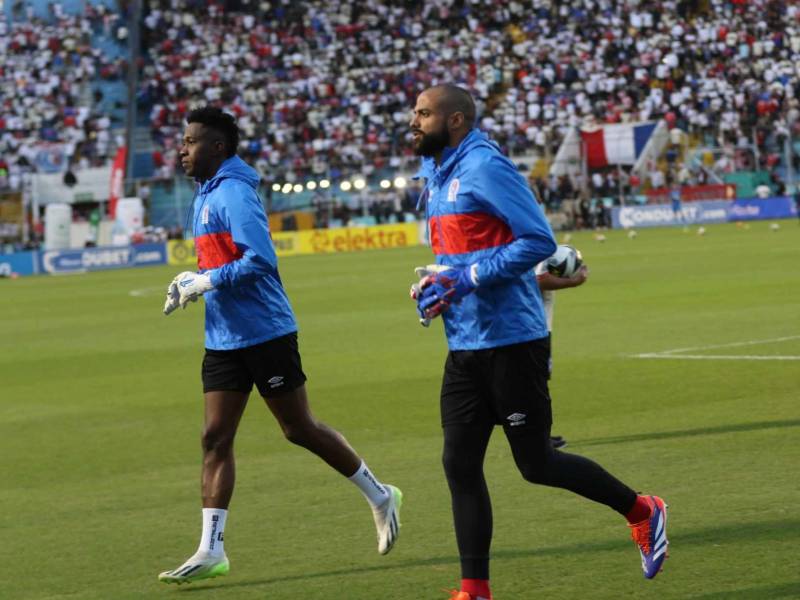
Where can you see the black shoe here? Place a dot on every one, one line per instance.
(557, 441)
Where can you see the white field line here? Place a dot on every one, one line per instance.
(66, 273)
(677, 353)
(715, 357)
(147, 291)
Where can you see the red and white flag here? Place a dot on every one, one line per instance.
(117, 181)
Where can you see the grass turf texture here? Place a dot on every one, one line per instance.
(101, 413)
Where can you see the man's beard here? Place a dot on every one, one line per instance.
(432, 143)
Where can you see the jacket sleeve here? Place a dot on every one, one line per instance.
(249, 229)
(505, 194)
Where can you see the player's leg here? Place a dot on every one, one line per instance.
(292, 411)
(227, 386)
(467, 424)
(521, 390)
(540, 463)
(277, 370)
(462, 457)
(223, 411)
(557, 441)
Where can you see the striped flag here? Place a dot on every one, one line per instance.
(619, 144)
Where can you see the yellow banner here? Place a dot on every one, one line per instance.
(181, 252)
(318, 241)
(351, 239)
(286, 243)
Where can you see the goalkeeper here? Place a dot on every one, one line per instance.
(488, 234)
(250, 338)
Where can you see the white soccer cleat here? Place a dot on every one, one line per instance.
(387, 519)
(200, 566)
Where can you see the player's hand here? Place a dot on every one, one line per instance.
(191, 286)
(422, 272)
(424, 276)
(439, 290)
(455, 283)
(580, 276)
(173, 297)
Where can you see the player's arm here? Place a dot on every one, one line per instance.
(504, 193)
(250, 232)
(247, 222)
(549, 282)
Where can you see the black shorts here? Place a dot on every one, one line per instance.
(502, 386)
(274, 366)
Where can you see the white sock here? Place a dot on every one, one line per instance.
(211, 542)
(373, 490)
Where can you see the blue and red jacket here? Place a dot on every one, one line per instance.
(481, 211)
(248, 304)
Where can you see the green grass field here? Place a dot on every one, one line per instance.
(101, 413)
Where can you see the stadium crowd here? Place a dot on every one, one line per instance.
(325, 87)
(47, 120)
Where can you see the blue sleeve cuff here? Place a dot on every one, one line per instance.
(215, 278)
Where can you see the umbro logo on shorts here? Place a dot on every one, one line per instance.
(276, 381)
(516, 419)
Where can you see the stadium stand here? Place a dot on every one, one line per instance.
(61, 70)
(324, 88)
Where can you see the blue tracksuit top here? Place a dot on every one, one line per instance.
(248, 304)
(481, 211)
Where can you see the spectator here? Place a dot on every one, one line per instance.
(45, 120)
(324, 83)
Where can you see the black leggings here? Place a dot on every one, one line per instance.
(464, 452)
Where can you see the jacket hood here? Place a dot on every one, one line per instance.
(233, 168)
(451, 156)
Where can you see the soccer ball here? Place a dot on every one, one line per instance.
(565, 262)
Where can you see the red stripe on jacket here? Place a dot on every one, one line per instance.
(215, 249)
(460, 233)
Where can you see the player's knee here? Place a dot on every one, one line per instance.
(457, 469)
(300, 434)
(536, 468)
(217, 442)
(532, 473)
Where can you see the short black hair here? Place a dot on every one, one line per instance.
(457, 99)
(221, 122)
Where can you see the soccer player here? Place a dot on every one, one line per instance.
(675, 200)
(487, 228)
(250, 338)
(548, 284)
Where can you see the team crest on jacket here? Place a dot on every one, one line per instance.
(452, 191)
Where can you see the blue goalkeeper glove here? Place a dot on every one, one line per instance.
(439, 290)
